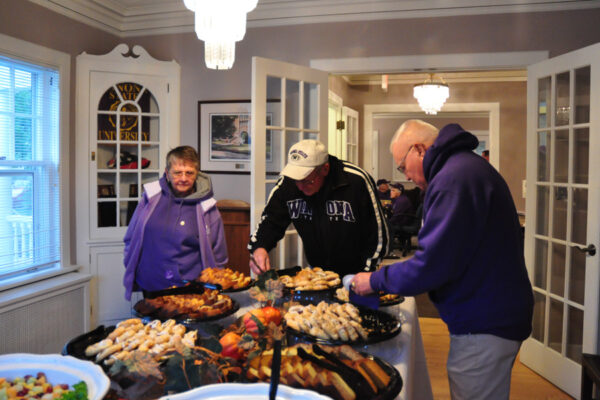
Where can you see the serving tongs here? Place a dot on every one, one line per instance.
(193, 287)
(275, 364)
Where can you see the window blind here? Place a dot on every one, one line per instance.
(29, 167)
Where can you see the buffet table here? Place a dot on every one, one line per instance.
(405, 351)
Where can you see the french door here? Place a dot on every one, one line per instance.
(289, 104)
(562, 211)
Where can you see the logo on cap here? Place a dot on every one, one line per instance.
(296, 154)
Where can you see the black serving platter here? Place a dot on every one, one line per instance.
(191, 288)
(381, 326)
(184, 318)
(76, 346)
(393, 388)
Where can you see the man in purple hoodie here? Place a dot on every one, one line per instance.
(176, 230)
(470, 259)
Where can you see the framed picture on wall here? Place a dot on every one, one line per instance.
(225, 137)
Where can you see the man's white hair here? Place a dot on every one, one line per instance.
(416, 131)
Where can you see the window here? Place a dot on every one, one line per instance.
(30, 179)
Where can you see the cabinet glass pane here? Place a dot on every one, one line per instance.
(150, 177)
(311, 106)
(148, 103)
(292, 103)
(128, 185)
(575, 334)
(561, 156)
(129, 157)
(126, 210)
(105, 156)
(541, 263)
(555, 325)
(544, 147)
(150, 155)
(579, 217)
(557, 276)
(128, 127)
(582, 95)
(559, 213)
(107, 127)
(107, 214)
(106, 184)
(543, 102)
(150, 129)
(577, 276)
(109, 101)
(562, 107)
(581, 155)
(539, 316)
(542, 210)
(129, 90)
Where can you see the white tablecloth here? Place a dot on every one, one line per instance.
(404, 351)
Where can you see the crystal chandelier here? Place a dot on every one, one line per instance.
(431, 95)
(220, 23)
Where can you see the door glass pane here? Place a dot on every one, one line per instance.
(105, 156)
(541, 263)
(559, 217)
(575, 334)
(555, 325)
(562, 99)
(542, 210)
(292, 103)
(539, 315)
(274, 88)
(561, 156)
(557, 277)
(150, 129)
(276, 156)
(543, 102)
(544, 147)
(582, 95)
(577, 276)
(311, 106)
(581, 155)
(579, 217)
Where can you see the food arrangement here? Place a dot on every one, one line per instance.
(208, 304)
(311, 279)
(155, 338)
(226, 277)
(385, 299)
(339, 322)
(38, 387)
(340, 372)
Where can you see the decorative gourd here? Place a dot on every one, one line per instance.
(229, 342)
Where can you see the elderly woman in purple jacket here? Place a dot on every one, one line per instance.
(176, 230)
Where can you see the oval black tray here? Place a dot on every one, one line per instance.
(393, 388)
(384, 326)
(187, 320)
(398, 300)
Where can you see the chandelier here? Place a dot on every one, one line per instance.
(220, 23)
(431, 95)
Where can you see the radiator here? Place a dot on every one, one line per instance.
(42, 321)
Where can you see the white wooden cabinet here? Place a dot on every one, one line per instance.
(127, 119)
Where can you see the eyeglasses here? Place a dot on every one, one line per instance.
(401, 166)
(179, 174)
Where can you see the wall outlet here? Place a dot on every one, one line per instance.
(524, 188)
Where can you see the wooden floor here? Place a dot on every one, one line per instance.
(525, 384)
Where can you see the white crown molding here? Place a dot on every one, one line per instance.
(127, 18)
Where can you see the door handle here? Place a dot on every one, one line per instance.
(590, 249)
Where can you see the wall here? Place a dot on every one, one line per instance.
(557, 32)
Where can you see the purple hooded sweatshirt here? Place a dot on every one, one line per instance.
(170, 240)
(471, 250)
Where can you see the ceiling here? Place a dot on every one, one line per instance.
(127, 18)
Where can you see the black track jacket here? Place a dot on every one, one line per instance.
(342, 226)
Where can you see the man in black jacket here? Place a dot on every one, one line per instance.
(333, 205)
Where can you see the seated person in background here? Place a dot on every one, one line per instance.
(383, 189)
(176, 230)
(403, 209)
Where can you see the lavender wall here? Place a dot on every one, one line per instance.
(557, 32)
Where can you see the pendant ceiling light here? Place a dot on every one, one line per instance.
(220, 23)
(431, 95)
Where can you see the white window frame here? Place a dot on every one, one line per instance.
(46, 57)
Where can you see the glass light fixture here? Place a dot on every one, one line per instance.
(220, 23)
(431, 95)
